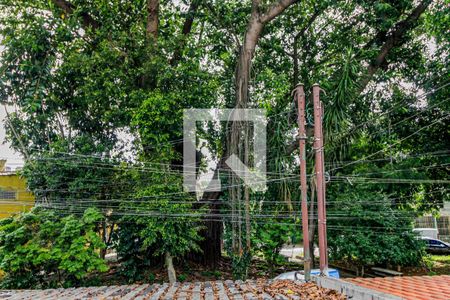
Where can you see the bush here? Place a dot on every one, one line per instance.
(270, 238)
(366, 229)
(42, 249)
(167, 227)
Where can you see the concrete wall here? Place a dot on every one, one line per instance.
(351, 290)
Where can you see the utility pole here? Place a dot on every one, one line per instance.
(320, 180)
(300, 94)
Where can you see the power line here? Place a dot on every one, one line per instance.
(390, 110)
(393, 144)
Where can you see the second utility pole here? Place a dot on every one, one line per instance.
(320, 180)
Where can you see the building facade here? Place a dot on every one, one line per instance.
(14, 195)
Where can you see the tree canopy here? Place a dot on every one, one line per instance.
(96, 92)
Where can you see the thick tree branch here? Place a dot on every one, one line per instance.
(69, 8)
(152, 19)
(276, 9)
(299, 36)
(377, 40)
(392, 40)
(308, 24)
(254, 28)
(16, 135)
(187, 27)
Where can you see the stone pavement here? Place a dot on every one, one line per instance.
(213, 290)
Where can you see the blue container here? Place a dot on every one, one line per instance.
(331, 273)
(299, 275)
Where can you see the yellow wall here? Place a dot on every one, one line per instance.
(23, 201)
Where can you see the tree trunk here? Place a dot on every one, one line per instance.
(187, 27)
(211, 244)
(244, 63)
(152, 19)
(255, 26)
(170, 269)
(104, 239)
(247, 192)
(236, 145)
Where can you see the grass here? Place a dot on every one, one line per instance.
(440, 264)
(445, 259)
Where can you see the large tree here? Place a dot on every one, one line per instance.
(82, 75)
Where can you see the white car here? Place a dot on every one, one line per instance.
(436, 246)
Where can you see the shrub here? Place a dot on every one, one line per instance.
(366, 229)
(41, 249)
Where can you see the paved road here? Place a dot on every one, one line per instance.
(295, 252)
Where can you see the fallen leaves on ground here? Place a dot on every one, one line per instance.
(305, 291)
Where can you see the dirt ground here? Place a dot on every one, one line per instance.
(190, 272)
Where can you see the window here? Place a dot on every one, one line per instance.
(7, 195)
(442, 245)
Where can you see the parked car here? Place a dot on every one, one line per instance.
(436, 246)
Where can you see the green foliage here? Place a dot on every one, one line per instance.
(41, 249)
(130, 250)
(159, 120)
(181, 277)
(367, 229)
(215, 273)
(166, 224)
(270, 238)
(174, 235)
(77, 88)
(240, 264)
